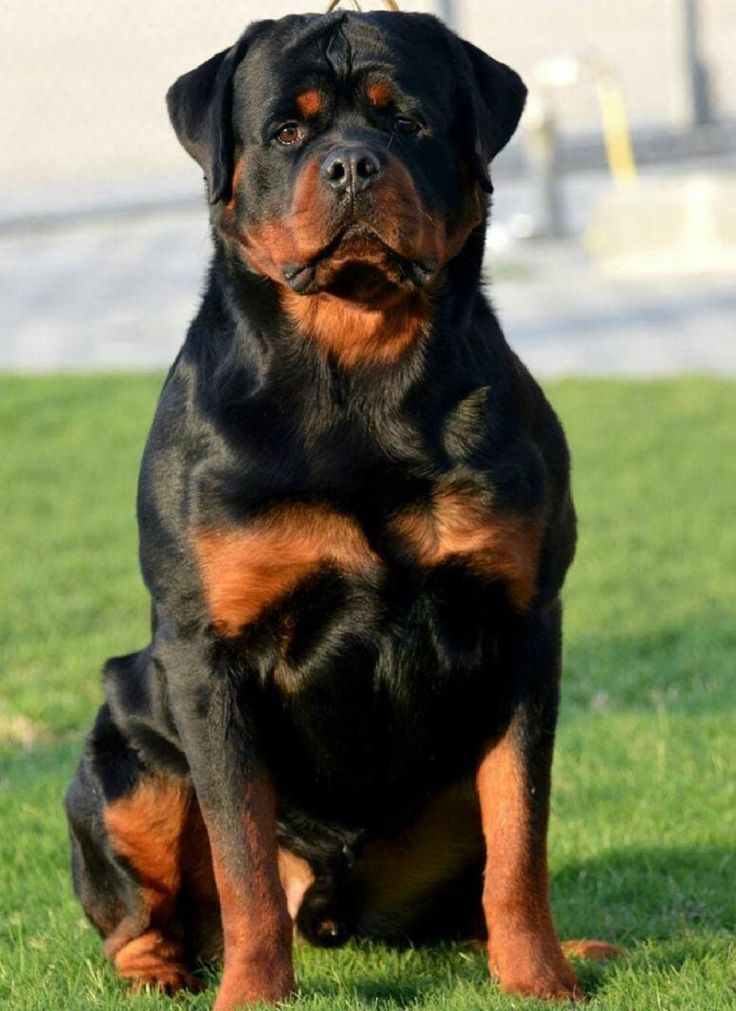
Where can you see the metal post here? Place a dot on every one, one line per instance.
(695, 71)
(542, 145)
(446, 10)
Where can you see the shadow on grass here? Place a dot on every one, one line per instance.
(648, 893)
(386, 995)
(666, 906)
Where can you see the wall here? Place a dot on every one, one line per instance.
(83, 80)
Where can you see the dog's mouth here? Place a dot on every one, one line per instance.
(357, 265)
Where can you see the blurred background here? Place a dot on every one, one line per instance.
(613, 244)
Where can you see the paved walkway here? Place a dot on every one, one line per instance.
(118, 293)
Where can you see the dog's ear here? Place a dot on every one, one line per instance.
(498, 95)
(200, 106)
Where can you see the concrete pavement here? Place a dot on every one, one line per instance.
(118, 291)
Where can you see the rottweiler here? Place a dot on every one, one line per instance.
(355, 520)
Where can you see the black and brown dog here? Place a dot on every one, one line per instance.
(355, 521)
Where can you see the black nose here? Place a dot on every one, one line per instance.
(350, 169)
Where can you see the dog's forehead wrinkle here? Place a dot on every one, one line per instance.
(294, 44)
(297, 31)
(338, 54)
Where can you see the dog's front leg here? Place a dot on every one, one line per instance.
(513, 783)
(238, 806)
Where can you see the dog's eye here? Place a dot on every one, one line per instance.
(288, 134)
(407, 127)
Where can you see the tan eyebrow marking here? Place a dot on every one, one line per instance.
(309, 103)
(379, 94)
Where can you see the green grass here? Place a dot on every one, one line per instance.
(644, 806)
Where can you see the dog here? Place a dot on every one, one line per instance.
(355, 521)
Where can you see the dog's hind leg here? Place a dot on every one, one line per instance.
(127, 824)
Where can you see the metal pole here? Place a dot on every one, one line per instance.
(446, 10)
(696, 73)
(542, 145)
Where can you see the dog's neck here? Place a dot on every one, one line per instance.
(360, 335)
(355, 336)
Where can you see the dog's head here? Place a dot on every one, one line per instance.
(348, 153)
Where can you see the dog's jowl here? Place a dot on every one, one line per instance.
(355, 522)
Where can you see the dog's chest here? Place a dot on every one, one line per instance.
(250, 570)
(383, 639)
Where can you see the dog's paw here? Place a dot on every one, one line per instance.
(558, 987)
(239, 990)
(536, 969)
(152, 960)
(168, 979)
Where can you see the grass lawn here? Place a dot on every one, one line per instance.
(643, 836)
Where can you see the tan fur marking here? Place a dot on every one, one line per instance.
(356, 333)
(524, 952)
(396, 875)
(459, 523)
(296, 237)
(591, 951)
(296, 876)
(244, 570)
(309, 103)
(397, 215)
(255, 922)
(145, 827)
(379, 94)
(238, 172)
(153, 960)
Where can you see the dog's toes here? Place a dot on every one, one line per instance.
(547, 989)
(168, 979)
(152, 960)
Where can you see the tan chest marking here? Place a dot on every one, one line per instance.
(245, 569)
(459, 524)
(357, 334)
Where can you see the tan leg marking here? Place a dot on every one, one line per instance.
(591, 951)
(255, 920)
(153, 960)
(146, 828)
(524, 953)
